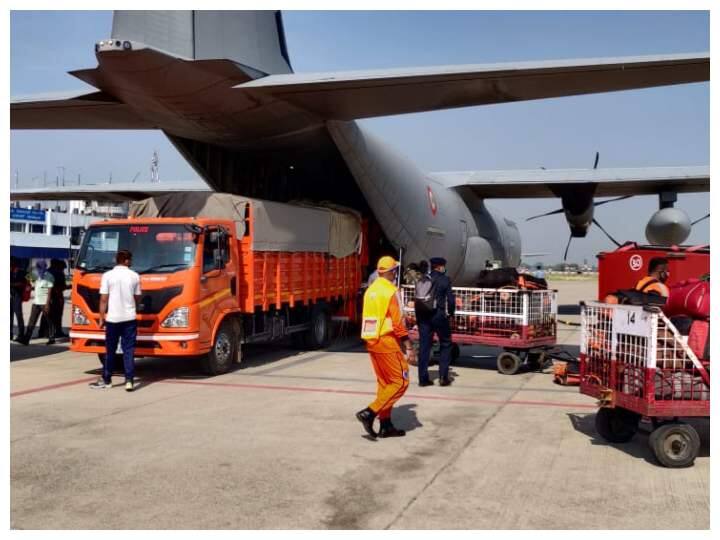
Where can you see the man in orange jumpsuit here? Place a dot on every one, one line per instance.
(386, 337)
(654, 282)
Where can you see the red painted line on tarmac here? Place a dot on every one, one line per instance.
(366, 393)
(51, 386)
(320, 391)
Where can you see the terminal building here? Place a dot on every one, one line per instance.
(54, 229)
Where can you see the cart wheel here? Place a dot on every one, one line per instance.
(508, 363)
(616, 425)
(454, 352)
(675, 444)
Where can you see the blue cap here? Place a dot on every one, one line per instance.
(438, 261)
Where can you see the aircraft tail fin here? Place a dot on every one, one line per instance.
(254, 39)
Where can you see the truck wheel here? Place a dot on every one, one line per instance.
(318, 336)
(220, 358)
(508, 363)
(616, 425)
(675, 444)
(454, 352)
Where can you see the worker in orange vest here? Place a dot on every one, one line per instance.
(654, 282)
(386, 338)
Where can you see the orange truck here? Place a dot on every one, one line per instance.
(220, 270)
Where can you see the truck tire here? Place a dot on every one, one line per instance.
(508, 363)
(223, 353)
(616, 425)
(318, 335)
(675, 444)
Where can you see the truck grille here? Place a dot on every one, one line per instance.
(151, 303)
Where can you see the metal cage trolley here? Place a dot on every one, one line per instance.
(637, 364)
(522, 322)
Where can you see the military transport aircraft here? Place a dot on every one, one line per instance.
(221, 87)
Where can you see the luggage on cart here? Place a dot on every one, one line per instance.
(509, 277)
(691, 298)
(637, 364)
(633, 297)
(699, 339)
(521, 321)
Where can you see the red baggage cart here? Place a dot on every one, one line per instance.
(637, 364)
(522, 322)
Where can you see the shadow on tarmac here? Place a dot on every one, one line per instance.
(36, 350)
(404, 417)
(638, 447)
(151, 370)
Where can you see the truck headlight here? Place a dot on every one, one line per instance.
(178, 318)
(78, 317)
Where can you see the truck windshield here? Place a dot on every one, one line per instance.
(155, 248)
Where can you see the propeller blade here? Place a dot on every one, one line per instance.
(558, 211)
(567, 248)
(701, 219)
(613, 200)
(597, 158)
(595, 221)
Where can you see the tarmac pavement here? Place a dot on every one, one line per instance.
(275, 445)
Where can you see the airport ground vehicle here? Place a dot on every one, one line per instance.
(239, 270)
(522, 322)
(637, 364)
(623, 267)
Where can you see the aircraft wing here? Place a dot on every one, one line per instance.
(362, 94)
(78, 110)
(530, 184)
(106, 192)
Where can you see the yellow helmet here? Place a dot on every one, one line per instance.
(387, 263)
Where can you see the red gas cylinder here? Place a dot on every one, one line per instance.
(623, 268)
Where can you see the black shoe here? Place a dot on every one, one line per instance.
(23, 341)
(366, 418)
(100, 385)
(426, 383)
(446, 381)
(50, 342)
(388, 430)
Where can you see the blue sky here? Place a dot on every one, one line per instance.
(661, 126)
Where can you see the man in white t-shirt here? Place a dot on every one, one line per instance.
(119, 293)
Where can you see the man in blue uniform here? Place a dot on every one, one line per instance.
(437, 321)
